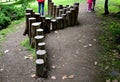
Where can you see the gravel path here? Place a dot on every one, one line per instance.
(73, 53)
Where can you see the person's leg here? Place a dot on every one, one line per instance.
(89, 7)
(38, 7)
(94, 1)
(42, 8)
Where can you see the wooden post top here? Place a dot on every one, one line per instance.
(32, 18)
(53, 20)
(41, 43)
(36, 24)
(29, 9)
(39, 29)
(39, 61)
(37, 13)
(47, 18)
(28, 14)
(58, 17)
(41, 52)
(39, 37)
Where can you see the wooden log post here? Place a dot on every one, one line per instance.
(59, 22)
(41, 46)
(57, 12)
(54, 24)
(49, 7)
(47, 25)
(39, 31)
(42, 22)
(29, 10)
(64, 10)
(34, 27)
(26, 31)
(38, 38)
(60, 12)
(54, 10)
(41, 54)
(73, 16)
(69, 18)
(76, 6)
(31, 20)
(40, 68)
(37, 16)
(64, 20)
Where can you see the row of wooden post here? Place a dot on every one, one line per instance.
(37, 26)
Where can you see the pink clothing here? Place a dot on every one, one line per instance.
(41, 1)
(89, 1)
(90, 6)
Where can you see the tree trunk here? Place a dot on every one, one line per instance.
(106, 7)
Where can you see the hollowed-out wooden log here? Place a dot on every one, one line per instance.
(40, 68)
(64, 21)
(38, 38)
(37, 16)
(41, 46)
(31, 20)
(34, 27)
(26, 31)
(47, 25)
(39, 31)
(54, 24)
(59, 22)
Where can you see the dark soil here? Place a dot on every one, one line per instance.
(73, 51)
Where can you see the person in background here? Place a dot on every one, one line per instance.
(41, 6)
(89, 5)
(94, 1)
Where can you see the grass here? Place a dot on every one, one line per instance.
(110, 40)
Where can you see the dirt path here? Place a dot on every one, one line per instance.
(73, 51)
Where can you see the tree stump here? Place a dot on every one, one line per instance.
(37, 16)
(38, 38)
(47, 25)
(59, 22)
(64, 21)
(49, 7)
(40, 68)
(34, 27)
(31, 20)
(26, 31)
(41, 46)
(39, 31)
(54, 24)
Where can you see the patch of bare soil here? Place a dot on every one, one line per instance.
(73, 53)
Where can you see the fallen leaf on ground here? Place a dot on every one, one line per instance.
(94, 40)
(71, 76)
(53, 77)
(6, 51)
(90, 45)
(95, 63)
(28, 57)
(53, 67)
(33, 75)
(1, 69)
(64, 77)
(85, 46)
(56, 31)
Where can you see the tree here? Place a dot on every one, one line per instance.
(106, 7)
